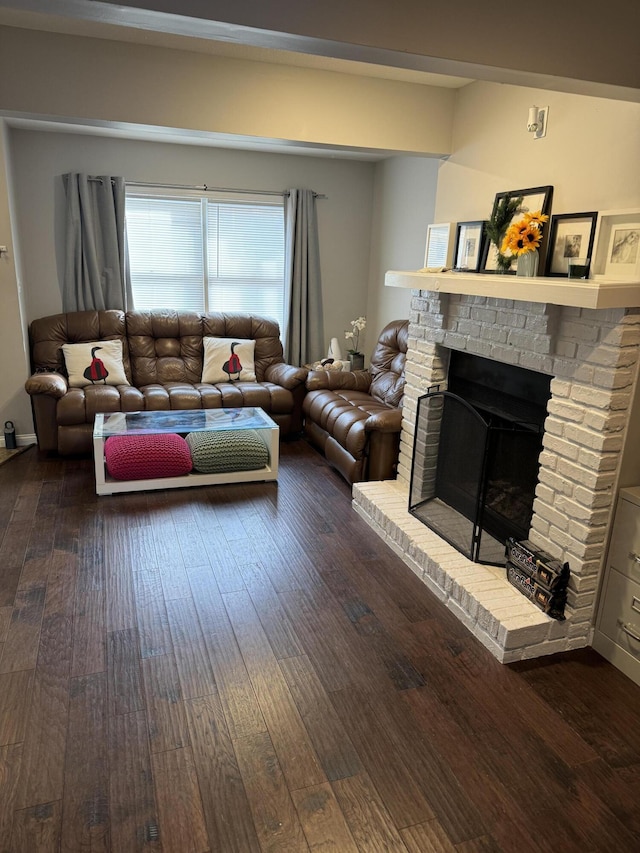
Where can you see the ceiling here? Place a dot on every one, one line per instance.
(95, 29)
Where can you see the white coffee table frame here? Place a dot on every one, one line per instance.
(141, 423)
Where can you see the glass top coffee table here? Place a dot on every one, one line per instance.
(182, 423)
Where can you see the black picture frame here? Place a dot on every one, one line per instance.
(533, 198)
(570, 235)
(469, 245)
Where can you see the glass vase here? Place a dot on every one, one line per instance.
(503, 263)
(528, 264)
(356, 360)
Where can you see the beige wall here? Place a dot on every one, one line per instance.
(405, 191)
(589, 155)
(14, 403)
(47, 74)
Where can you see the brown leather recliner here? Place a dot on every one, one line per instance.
(355, 418)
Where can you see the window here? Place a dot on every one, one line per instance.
(207, 253)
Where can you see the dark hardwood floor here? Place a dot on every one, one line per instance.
(248, 668)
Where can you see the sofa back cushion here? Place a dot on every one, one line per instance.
(388, 362)
(164, 346)
(48, 335)
(167, 346)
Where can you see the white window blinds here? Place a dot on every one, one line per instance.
(207, 254)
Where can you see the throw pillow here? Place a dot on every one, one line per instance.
(94, 363)
(228, 360)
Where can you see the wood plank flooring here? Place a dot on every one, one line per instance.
(247, 668)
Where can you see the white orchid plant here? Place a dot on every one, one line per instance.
(353, 334)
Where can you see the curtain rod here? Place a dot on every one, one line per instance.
(204, 188)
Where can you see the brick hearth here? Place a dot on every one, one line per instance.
(592, 355)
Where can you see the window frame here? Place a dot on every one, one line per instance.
(206, 198)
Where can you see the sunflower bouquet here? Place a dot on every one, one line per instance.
(524, 235)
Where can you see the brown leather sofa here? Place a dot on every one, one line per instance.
(163, 360)
(355, 418)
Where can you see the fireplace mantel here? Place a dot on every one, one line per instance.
(577, 293)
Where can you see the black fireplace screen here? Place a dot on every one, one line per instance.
(474, 475)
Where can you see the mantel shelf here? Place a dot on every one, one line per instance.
(578, 293)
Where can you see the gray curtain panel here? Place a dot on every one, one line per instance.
(304, 332)
(96, 267)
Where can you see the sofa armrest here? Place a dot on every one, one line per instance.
(52, 384)
(337, 380)
(286, 375)
(389, 421)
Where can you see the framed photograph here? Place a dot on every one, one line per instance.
(439, 249)
(468, 246)
(623, 254)
(616, 237)
(533, 199)
(570, 236)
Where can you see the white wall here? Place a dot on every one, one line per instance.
(14, 403)
(107, 82)
(589, 155)
(404, 201)
(40, 158)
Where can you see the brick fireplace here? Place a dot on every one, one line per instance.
(592, 356)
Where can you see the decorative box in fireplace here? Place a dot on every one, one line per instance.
(538, 576)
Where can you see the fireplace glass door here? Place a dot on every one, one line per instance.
(473, 475)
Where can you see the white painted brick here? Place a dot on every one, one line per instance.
(607, 356)
(568, 411)
(540, 525)
(533, 361)
(582, 416)
(605, 421)
(593, 397)
(558, 629)
(553, 516)
(560, 388)
(488, 642)
(590, 479)
(550, 647)
(578, 331)
(560, 446)
(587, 533)
(530, 341)
(511, 320)
(566, 349)
(479, 347)
(557, 483)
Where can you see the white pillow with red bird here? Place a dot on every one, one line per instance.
(228, 360)
(95, 363)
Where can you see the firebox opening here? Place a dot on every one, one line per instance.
(476, 455)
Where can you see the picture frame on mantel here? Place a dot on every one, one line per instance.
(617, 245)
(470, 237)
(438, 251)
(571, 235)
(533, 199)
